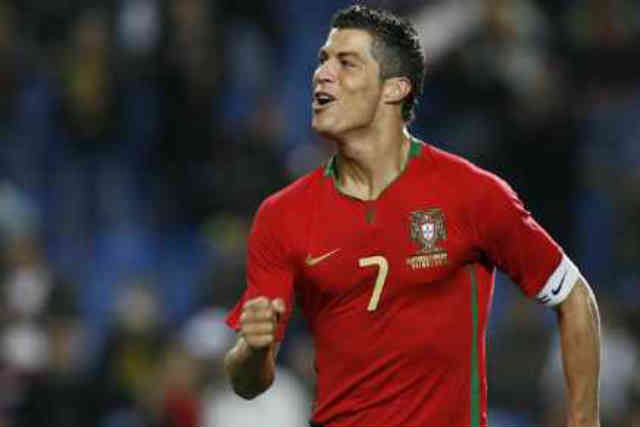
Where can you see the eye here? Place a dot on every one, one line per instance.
(347, 64)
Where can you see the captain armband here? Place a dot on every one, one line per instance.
(560, 283)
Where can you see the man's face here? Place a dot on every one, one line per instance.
(346, 84)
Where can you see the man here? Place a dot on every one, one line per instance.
(391, 251)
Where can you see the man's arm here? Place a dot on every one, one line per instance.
(250, 364)
(579, 323)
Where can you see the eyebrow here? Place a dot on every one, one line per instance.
(323, 53)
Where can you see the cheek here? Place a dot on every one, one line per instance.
(366, 100)
(369, 90)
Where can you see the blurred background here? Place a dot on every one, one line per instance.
(137, 138)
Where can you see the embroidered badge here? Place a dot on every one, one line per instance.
(427, 229)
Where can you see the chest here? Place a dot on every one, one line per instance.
(393, 246)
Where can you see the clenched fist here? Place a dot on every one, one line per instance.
(259, 321)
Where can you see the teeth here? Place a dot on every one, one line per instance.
(324, 98)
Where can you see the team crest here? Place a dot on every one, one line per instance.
(427, 229)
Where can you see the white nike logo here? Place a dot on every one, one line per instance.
(311, 261)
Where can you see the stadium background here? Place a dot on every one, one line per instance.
(137, 138)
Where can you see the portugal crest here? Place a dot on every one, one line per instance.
(427, 229)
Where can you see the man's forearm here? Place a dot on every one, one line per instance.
(251, 371)
(579, 323)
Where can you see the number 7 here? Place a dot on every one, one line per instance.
(383, 269)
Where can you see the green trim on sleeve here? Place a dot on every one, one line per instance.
(475, 376)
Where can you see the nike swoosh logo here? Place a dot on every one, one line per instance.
(315, 260)
(556, 290)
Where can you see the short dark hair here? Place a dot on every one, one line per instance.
(395, 46)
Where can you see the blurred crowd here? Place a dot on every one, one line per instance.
(137, 138)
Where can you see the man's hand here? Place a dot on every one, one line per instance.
(259, 321)
(250, 364)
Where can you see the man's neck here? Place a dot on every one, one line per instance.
(367, 164)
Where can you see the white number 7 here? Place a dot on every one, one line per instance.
(383, 269)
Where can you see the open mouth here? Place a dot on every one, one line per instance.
(321, 99)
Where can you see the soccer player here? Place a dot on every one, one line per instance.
(391, 250)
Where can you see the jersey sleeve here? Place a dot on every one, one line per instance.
(269, 272)
(513, 240)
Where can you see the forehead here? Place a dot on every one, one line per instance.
(348, 40)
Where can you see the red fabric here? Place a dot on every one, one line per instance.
(409, 361)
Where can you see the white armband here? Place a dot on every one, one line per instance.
(559, 284)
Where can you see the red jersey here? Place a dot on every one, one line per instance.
(397, 291)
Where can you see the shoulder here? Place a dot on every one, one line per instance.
(286, 203)
(462, 174)
(294, 193)
(282, 217)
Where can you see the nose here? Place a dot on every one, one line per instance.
(324, 73)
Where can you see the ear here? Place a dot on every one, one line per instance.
(396, 89)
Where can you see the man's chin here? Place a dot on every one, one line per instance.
(328, 136)
(322, 129)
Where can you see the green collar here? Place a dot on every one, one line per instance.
(414, 151)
